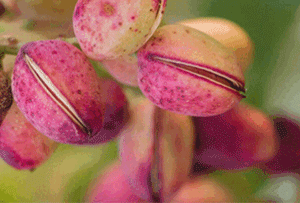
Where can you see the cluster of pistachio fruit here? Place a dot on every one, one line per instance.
(192, 76)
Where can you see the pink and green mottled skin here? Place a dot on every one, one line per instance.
(21, 145)
(108, 29)
(179, 91)
(73, 75)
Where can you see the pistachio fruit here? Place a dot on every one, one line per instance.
(21, 145)
(287, 155)
(186, 71)
(115, 113)
(124, 69)
(202, 189)
(111, 186)
(156, 150)
(108, 29)
(60, 93)
(229, 34)
(239, 138)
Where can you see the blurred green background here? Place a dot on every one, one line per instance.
(272, 83)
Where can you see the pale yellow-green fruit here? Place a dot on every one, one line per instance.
(229, 34)
(107, 30)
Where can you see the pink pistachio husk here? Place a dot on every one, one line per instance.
(109, 29)
(21, 145)
(136, 148)
(239, 138)
(179, 91)
(115, 115)
(124, 69)
(73, 75)
(112, 186)
(174, 151)
(288, 150)
(156, 151)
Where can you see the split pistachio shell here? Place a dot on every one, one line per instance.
(108, 29)
(21, 145)
(228, 33)
(188, 72)
(59, 92)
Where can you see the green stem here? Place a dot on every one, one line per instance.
(9, 45)
(72, 40)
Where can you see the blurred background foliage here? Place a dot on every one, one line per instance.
(272, 83)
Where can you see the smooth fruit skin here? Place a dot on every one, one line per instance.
(73, 75)
(136, 148)
(21, 145)
(287, 155)
(108, 29)
(115, 115)
(175, 148)
(202, 189)
(173, 89)
(156, 151)
(239, 138)
(112, 186)
(229, 34)
(124, 69)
